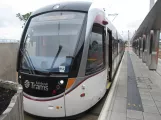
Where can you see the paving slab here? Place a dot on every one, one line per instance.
(146, 102)
(144, 92)
(121, 91)
(119, 105)
(133, 119)
(155, 93)
(109, 115)
(144, 89)
(146, 97)
(150, 116)
(118, 116)
(159, 110)
(134, 114)
(150, 109)
(158, 103)
(157, 98)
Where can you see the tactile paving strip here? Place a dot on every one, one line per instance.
(133, 95)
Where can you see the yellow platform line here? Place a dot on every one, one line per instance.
(92, 59)
(108, 85)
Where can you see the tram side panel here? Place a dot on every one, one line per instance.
(110, 55)
(93, 88)
(116, 55)
(50, 107)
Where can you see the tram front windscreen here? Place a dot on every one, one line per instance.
(50, 41)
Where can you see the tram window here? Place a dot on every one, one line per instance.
(114, 48)
(95, 60)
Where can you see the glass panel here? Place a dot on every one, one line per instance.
(95, 52)
(51, 40)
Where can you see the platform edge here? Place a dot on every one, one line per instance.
(104, 112)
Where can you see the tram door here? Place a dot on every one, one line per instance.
(110, 55)
(107, 51)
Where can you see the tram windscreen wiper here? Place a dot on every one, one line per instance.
(28, 60)
(42, 72)
(57, 54)
(27, 56)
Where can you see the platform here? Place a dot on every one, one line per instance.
(137, 94)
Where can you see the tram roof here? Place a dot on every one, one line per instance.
(72, 5)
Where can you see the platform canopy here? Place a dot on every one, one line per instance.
(151, 22)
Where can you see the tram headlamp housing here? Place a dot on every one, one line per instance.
(70, 82)
(104, 22)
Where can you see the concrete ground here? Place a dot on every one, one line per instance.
(159, 68)
(149, 92)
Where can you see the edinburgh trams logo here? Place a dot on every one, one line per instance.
(36, 85)
(27, 84)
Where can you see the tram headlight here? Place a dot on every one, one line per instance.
(61, 82)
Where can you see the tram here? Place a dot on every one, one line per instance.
(68, 53)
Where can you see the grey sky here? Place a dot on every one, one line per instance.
(131, 13)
